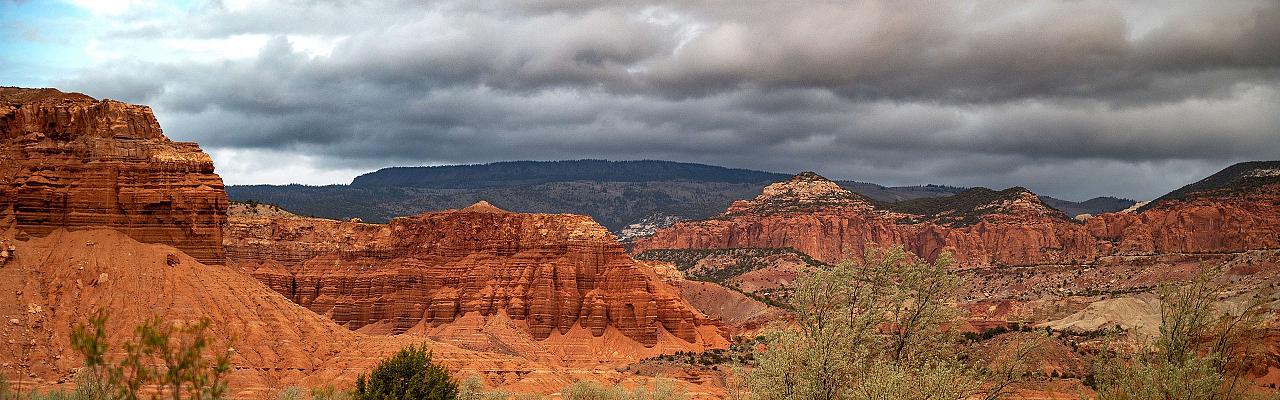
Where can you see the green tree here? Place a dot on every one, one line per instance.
(1201, 353)
(870, 331)
(409, 375)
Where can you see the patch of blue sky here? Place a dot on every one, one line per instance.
(44, 42)
(41, 41)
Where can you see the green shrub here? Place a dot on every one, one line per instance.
(878, 330)
(587, 390)
(498, 395)
(329, 393)
(661, 389)
(293, 393)
(324, 393)
(658, 389)
(410, 375)
(471, 388)
(171, 360)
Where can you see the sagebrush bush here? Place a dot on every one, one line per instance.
(409, 375)
(1202, 352)
(658, 389)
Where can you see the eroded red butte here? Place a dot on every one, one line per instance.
(70, 161)
(551, 271)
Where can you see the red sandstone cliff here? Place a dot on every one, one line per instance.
(1011, 227)
(1227, 221)
(59, 280)
(549, 274)
(70, 161)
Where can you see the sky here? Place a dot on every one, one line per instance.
(1072, 99)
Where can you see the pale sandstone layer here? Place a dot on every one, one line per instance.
(70, 161)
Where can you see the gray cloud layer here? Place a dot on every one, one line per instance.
(1072, 99)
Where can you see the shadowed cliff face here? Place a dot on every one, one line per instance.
(551, 273)
(982, 229)
(70, 161)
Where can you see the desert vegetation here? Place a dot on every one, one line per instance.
(325, 393)
(885, 330)
(1202, 351)
(874, 331)
(162, 360)
(409, 374)
(167, 360)
(657, 389)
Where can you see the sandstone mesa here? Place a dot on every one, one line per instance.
(69, 161)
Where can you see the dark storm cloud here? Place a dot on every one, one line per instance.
(1047, 94)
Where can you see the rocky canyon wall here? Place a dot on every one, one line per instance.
(549, 273)
(70, 161)
(1014, 228)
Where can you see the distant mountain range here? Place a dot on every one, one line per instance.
(523, 173)
(1094, 206)
(1235, 177)
(615, 193)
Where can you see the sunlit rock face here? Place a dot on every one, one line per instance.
(553, 273)
(981, 228)
(70, 161)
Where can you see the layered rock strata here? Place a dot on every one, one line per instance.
(70, 161)
(58, 281)
(1012, 228)
(551, 273)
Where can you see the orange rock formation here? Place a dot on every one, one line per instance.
(815, 216)
(83, 183)
(547, 275)
(57, 281)
(70, 161)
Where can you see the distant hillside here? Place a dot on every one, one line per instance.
(965, 208)
(520, 173)
(613, 204)
(615, 193)
(898, 193)
(1094, 206)
(1239, 176)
